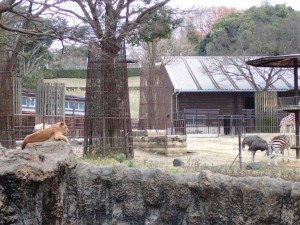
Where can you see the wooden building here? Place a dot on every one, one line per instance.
(199, 88)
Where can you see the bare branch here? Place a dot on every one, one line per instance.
(8, 5)
(237, 68)
(31, 32)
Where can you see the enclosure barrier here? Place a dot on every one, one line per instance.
(219, 125)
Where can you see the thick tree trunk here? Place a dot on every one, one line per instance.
(107, 112)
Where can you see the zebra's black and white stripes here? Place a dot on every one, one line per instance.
(277, 145)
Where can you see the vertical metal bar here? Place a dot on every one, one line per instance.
(104, 137)
(126, 137)
(296, 112)
(240, 149)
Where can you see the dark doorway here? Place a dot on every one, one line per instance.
(249, 103)
(227, 125)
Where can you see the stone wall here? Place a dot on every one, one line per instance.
(43, 185)
(157, 141)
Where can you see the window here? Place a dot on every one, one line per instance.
(24, 101)
(28, 101)
(196, 120)
(77, 105)
(68, 105)
(31, 102)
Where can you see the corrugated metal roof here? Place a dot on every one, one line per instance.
(218, 73)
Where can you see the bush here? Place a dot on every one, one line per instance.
(120, 157)
(31, 79)
(134, 72)
(61, 73)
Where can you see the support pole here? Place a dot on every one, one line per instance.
(296, 112)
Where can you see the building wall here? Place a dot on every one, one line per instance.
(227, 103)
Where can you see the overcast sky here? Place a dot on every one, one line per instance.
(240, 4)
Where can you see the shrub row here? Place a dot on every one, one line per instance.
(132, 72)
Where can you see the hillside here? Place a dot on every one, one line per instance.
(76, 87)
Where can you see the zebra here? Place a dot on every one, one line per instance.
(287, 123)
(279, 144)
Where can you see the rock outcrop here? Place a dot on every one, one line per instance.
(44, 185)
(32, 183)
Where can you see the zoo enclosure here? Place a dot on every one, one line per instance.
(185, 123)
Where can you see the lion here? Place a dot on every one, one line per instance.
(55, 132)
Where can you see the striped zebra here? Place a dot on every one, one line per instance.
(287, 123)
(277, 145)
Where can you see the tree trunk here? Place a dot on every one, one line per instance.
(7, 121)
(151, 109)
(107, 112)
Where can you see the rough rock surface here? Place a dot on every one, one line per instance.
(32, 183)
(43, 185)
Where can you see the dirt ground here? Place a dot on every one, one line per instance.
(209, 151)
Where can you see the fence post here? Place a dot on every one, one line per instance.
(240, 148)
(104, 137)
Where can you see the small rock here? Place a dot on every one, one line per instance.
(178, 162)
(253, 166)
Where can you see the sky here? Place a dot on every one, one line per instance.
(239, 4)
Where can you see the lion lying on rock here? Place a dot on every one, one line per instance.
(55, 132)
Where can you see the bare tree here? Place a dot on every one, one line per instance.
(197, 24)
(236, 68)
(202, 19)
(106, 24)
(110, 22)
(20, 22)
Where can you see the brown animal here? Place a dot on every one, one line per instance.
(55, 132)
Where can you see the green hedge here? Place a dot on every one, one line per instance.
(69, 73)
(132, 72)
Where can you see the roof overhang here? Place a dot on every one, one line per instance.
(281, 61)
(220, 91)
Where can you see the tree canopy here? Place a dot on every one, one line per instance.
(264, 30)
(158, 26)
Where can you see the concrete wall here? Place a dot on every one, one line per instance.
(157, 141)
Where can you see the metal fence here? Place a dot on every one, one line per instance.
(232, 125)
(210, 122)
(198, 124)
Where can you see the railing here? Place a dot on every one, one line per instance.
(233, 124)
